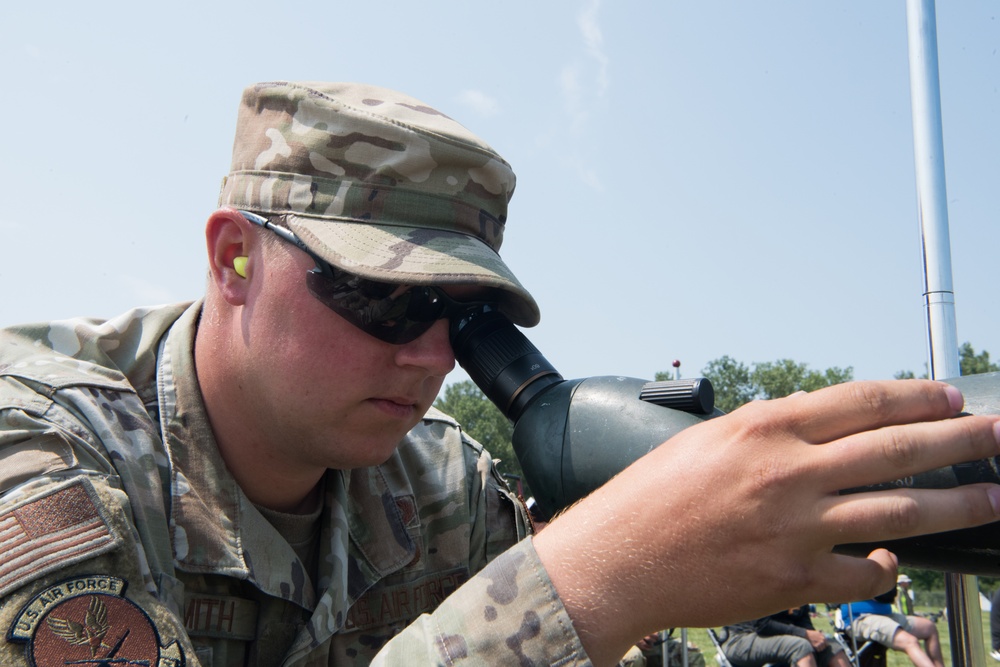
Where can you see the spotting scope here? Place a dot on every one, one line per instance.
(572, 436)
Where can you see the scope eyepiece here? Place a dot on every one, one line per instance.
(500, 360)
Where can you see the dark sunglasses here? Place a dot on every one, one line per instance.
(392, 313)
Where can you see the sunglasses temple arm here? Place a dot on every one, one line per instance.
(289, 236)
(286, 234)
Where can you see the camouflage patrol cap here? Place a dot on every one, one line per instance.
(378, 184)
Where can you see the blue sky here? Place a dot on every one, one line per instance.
(695, 179)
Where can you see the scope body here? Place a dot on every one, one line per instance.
(579, 434)
(572, 436)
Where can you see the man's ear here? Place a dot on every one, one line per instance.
(231, 243)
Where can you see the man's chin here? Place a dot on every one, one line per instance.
(379, 450)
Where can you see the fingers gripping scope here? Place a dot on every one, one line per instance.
(572, 436)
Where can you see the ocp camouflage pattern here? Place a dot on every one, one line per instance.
(419, 169)
(377, 183)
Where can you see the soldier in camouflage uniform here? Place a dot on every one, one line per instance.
(258, 477)
(124, 488)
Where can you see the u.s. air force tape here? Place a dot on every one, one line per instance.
(88, 621)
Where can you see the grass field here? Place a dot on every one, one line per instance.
(699, 637)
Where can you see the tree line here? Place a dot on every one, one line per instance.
(736, 383)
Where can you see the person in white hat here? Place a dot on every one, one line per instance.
(904, 595)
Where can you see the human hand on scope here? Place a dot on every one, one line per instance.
(737, 517)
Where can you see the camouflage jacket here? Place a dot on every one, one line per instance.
(125, 540)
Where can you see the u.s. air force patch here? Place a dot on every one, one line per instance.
(89, 621)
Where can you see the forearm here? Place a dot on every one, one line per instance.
(600, 573)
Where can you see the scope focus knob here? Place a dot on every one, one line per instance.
(694, 395)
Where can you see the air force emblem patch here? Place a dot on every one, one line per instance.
(89, 621)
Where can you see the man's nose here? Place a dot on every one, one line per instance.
(431, 350)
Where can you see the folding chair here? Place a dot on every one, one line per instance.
(869, 654)
(720, 657)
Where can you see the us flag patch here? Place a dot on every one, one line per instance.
(47, 532)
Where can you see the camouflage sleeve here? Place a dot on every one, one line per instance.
(507, 614)
(500, 519)
(74, 580)
(71, 584)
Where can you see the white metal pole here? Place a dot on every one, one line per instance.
(964, 615)
(932, 203)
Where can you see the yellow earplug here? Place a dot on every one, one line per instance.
(240, 266)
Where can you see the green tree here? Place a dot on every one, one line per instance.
(785, 377)
(924, 580)
(735, 383)
(972, 363)
(932, 581)
(484, 422)
(731, 381)
(969, 363)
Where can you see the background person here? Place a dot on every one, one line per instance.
(875, 619)
(904, 595)
(787, 637)
(656, 648)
